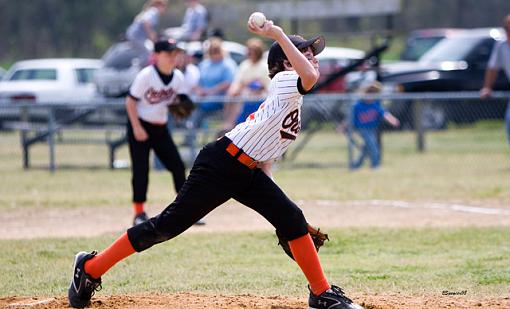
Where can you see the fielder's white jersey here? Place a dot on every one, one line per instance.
(266, 134)
(153, 95)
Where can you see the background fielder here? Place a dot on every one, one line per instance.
(153, 89)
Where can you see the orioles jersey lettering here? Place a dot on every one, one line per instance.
(154, 96)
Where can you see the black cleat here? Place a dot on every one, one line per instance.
(141, 218)
(82, 286)
(333, 298)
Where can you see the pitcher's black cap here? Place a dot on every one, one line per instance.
(276, 53)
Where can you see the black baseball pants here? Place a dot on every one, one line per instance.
(163, 145)
(216, 177)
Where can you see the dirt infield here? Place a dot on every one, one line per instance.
(17, 224)
(201, 301)
(20, 224)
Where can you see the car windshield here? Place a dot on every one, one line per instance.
(85, 75)
(416, 47)
(122, 57)
(451, 49)
(34, 74)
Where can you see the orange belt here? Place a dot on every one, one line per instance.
(239, 154)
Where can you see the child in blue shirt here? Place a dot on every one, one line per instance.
(367, 116)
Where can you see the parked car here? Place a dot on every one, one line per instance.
(63, 81)
(121, 63)
(422, 40)
(455, 63)
(50, 80)
(333, 59)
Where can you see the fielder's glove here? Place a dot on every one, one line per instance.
(181, 107)
(318, 238)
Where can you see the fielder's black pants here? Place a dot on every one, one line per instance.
(216, 177)
(163, 145)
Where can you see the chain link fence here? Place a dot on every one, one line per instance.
(440, 124)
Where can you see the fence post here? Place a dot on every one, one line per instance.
(111, 156)
(51, 137)
(418, 125)
(113, 145)
(23, 136)
(350, 139)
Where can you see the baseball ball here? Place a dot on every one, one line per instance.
(258, 18)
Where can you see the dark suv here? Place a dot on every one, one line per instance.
(421, 40)
(456, 63)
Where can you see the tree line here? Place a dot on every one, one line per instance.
(77, 28)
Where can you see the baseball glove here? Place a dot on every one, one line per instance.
(318, 238)
(181, 107)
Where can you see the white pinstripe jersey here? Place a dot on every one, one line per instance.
(266, 134)
(153, 95)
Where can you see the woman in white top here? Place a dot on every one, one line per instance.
(251, 81)
(238, 166)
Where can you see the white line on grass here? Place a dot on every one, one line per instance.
(404, 204)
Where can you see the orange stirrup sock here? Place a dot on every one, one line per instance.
(138, 208)
(117, 251)
(308, 260)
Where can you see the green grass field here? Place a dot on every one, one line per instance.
(462, 164)
(364, 260)
(469, 163)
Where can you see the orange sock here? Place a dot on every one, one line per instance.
(308, 260)
(138, 208)
(117, 251)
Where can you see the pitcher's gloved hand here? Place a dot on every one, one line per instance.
(317, 235)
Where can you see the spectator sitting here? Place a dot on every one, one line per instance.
(144, 25)
(216, 74)
(367, 115)
(251, 80)
(194, 23)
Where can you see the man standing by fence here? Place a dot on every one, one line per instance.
(500, 59)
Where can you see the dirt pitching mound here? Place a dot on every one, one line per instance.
(200, 301)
